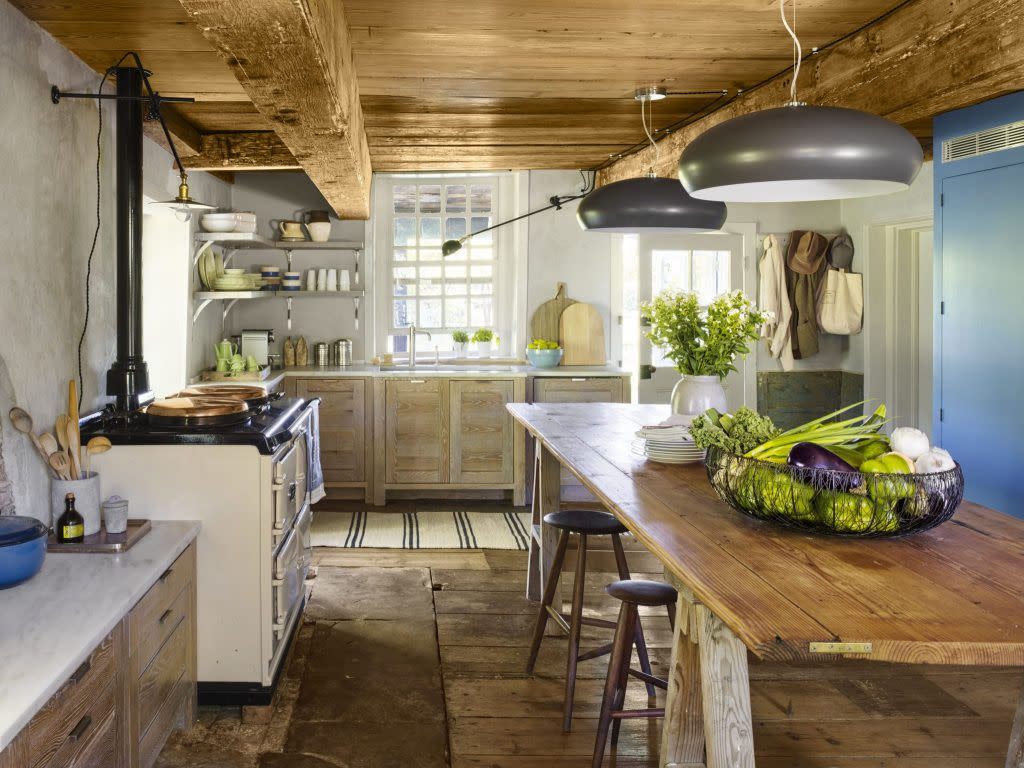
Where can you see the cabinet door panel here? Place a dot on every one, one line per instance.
(577, 390)
(481, 432)
(416, 421)
(342, 426)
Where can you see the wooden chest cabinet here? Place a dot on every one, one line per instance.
(120, 705)
(344, 428)
(578, 389)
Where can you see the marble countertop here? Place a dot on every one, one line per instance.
(445, 370)
(52, 622)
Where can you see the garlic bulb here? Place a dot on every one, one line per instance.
(909, 441)
(934, 460)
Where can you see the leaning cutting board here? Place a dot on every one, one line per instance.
(544, 323)
(581, 332)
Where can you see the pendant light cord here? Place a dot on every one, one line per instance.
(797, 50)
(647, 130)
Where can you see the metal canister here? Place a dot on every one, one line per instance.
(341, 352)
(321, 354)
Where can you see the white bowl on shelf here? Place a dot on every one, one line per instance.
(246, 222)
(219, 222)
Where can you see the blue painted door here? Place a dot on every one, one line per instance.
(982, 373)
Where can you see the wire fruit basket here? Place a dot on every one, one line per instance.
(835, 503)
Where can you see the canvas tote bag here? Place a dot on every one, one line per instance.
(841, 308)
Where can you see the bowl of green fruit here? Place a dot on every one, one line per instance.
(543, 353)
(840, 476)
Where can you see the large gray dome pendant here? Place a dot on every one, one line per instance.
(648, 204)
(799, 153)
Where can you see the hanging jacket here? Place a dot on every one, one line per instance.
(775, 300)
(805, 276)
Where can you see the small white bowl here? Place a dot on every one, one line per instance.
(219, 222)
(234, 271)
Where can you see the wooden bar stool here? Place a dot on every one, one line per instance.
(633, 594)
(583, 523)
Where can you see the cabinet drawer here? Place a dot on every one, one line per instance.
(157, 614)
(50, 730)
(577, 389)
(102, 750)
(162, 674)
(73, 744)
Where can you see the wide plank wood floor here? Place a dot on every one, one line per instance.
(428, 647)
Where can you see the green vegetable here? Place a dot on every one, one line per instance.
(847, 433)
(873, 449)
(885, 488)
(735, 433)
(782, 495)
(542, 344)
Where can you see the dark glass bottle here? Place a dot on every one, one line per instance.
(70, 525)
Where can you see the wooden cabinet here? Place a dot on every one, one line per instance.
(416, 431)
(481, 432)
(344, 429)
(579, 389)
(120, 705)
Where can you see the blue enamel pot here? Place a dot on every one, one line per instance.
(22, 549)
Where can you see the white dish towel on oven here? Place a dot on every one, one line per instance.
(316, 472)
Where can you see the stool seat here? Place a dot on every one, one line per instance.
(642, 592)
(585, 521)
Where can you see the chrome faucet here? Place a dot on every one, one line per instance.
(412, 343)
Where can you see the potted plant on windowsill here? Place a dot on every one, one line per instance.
(482, 338)
(460, 340)
(703, 344)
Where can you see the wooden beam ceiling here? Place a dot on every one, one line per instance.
(928, 57)
(242, 151)
(295, 62)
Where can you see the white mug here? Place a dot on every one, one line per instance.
(311, 280)
(345, 281)
(332, 279)
(321, 279)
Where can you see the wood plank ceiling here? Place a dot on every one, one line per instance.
(474, 84)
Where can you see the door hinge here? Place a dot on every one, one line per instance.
(942, 199)
(942, 307)
(942, 415)
(619, 319)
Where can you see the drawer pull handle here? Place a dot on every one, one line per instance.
(79, 730)
(81, 672)
(166, 615)
(576, 379)
(417, 381)
(165, 574)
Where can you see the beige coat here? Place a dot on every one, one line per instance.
(775, 299)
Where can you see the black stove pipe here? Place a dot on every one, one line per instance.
(128, 377)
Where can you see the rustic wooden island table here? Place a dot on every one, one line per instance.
(949, 596)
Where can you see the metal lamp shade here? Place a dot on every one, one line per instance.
(796, 153)
(648, 204)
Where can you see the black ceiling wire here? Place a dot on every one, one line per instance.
(673, 127)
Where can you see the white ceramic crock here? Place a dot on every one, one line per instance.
(87, 500)
(695, 394)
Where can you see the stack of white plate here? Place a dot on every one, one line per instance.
(668, 445)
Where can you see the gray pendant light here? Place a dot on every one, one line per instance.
(648, 203)
(799, 152)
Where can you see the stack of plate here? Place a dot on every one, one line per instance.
(211, 268)
(668, 445)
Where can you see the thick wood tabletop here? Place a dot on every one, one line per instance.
(950, 595)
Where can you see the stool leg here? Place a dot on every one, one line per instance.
(574, 630)
(641, 644)
(549, 593)
(618, 668)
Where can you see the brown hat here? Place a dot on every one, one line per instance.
(806, 251)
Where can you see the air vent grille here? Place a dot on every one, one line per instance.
(983, 142)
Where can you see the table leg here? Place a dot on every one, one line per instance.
(534, 577)
(682, 736)
(1015, 754)
(547, 497)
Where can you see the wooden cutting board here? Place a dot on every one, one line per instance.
(544, 323)
(196, 406)
(581, 333)
(238, 391)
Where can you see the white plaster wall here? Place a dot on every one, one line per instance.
(282, 195)
(47, 216)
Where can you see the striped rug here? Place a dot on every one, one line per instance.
(456, 529)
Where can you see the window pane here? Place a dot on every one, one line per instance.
(430, 198)
(405, 230)
(404, 254)
(476, 224)
(454, 289)
(404, 196)
(430, 254)
(705, 275)
(430, 281)
(670, 270)
(455, 198)
(404, 281)
(405, 313)
(430, 313)
(481, 289)
(454, 227)
(455, 271)
(481, 270)
(485, 253)
(455, 313)
(480, 312)
(430, 230)
(480, 195)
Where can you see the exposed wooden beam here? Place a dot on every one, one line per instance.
(253, 151)
(294, 59)
(928, 57)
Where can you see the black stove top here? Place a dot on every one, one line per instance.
(266, 429)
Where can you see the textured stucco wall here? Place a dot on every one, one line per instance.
(47, 216)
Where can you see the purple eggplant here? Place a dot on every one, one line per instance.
(812, 456)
